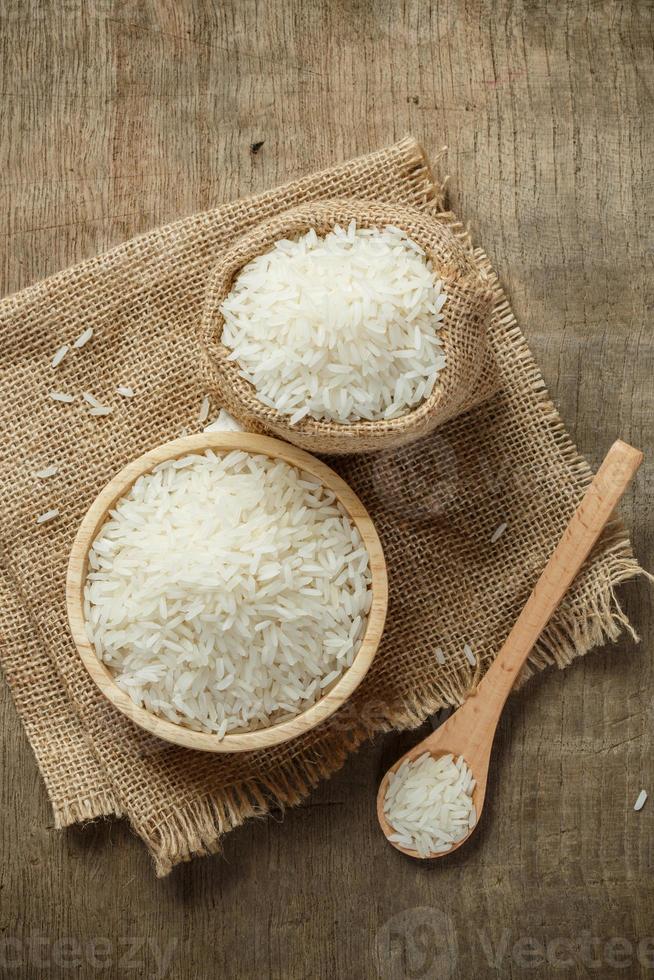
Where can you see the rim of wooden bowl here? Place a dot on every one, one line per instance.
(259, 738)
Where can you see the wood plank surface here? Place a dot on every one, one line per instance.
(118, 116)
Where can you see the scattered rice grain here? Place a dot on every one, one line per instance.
(498, 532)
(49, 515)
(472, 660)
(203, 414)
(91, 399)
(224, 423)
(642, 799)
(83, 338)
(59, 356)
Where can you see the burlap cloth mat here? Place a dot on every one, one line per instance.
(436, 504)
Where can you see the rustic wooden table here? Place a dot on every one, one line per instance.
(118, 117)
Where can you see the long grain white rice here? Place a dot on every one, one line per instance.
(339, 328)
(224, 422)
(47, 472)
(124, 391)
(83, 338)
(428, 803)
(470, 657)
(227, 591)
(440, 656)
(641, 800)
(203, 414)
(59, 356)
(49, 515)
(91, 399)
(498, 532)
(100, 410)
(61, 396)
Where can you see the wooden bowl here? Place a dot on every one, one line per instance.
(260, 738)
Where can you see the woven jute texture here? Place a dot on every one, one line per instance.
(469, 377)
(436, 504)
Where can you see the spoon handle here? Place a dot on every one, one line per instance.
(585, 527)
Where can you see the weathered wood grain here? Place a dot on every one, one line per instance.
(118, 116)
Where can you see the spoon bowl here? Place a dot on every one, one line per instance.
(437, 749)
(465, 733)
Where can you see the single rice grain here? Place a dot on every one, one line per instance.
(91, 399)
(83, 338)
(498, 532)
(59, 356)
(49, 515)
(203, 414)
(641, 800)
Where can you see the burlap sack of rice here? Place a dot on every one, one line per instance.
(469, 375)
(435, 504)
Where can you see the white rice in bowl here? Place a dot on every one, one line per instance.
(338, 328)
(227, 592)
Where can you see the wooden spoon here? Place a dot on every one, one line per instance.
(470, 730)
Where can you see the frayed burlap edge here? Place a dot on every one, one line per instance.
(84, 811)
(197, 830)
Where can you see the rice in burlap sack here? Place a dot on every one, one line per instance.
(436, 504)
(468, 378)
